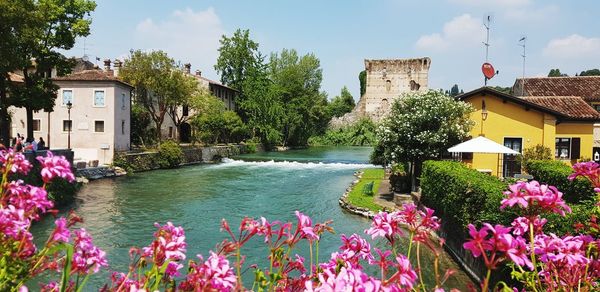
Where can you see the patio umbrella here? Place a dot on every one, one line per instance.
(481, 145)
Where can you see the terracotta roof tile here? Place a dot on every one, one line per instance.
(573, 107)
(588, 87)
(91, 75)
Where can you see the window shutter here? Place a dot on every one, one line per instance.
(575, 148)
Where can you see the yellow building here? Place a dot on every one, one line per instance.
(565, 124)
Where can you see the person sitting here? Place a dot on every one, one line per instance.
(41, 145)
(19, 144)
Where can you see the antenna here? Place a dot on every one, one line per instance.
(523, 40)
(486, 24)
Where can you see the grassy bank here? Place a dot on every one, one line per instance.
(356, 196)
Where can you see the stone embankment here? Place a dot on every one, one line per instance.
(345, 203)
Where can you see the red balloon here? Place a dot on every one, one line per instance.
(488, 70)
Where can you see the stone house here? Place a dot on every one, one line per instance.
(97, 124)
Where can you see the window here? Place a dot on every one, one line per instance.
(123, 127)
(186, 111)
(99, 126)
(67, 96)
(98, 97)
(67, 125)
(123, 107)
(568, 148)
(37, 125)
(170, 132)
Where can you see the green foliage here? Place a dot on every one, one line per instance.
(537, 152)
(454, 91)
(142, 133)
(341, 104)
(362, 78)
(361, 133)
(461, 194)
(169, 155)
(555, 173)
(581, 213)
(214, 124)
(507, 90)
(591, 72)
(159, 84)
(59, 190)
(421, 126)
(556, 73)
(237, 55)
(297, 81)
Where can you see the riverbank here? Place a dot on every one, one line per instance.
(361, 197)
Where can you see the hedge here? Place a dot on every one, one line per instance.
(555, 173)
(463, 195)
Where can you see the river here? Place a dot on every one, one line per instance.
(119, 213)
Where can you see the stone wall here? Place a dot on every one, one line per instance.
(386, 81)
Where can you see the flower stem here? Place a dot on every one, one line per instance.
(486, 282)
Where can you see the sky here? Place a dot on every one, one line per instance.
(560, 34)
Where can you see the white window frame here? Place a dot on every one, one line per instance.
(62, 99)
(103, 126)
(94, 97)
(570, 148)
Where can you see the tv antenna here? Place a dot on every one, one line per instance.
(522, 43)
(85, 49)
(486, 24)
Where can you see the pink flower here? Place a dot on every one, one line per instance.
(55, 166)
(61, 232)
(50, 287)
(357, 246)
(535, 197)
(213, 274)
(384, 225)
(305, 227)
(86, 256)
(17, 162)
(32, 200)
(405, 276)
(521, 225)
(347, 279)
(478, 242)
(589, 169)
(168, 245)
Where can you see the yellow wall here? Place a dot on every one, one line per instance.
(510, 120)
(584, 131)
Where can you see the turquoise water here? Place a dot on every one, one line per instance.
(120, 212)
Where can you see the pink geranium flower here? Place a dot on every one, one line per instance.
(213, 274)
(55, 166)
(536, 198)
(87, 258)
(61, 233)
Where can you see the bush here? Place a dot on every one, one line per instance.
(555, 173)
(461, 194)
(537, 152)
(169, 155)
(361, 133)
(565, 225)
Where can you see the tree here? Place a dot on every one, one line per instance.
(141, 131)
(55, 26)
(362, 78)
(186, 90)
(341, 104)
(556, 73)
(507, 90)
(454, 91)
(421, 126)
(214, 124)
(591, 72)
(237, 56)
(157, 81)
(297, 81)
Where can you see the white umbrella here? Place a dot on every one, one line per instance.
(481, 145)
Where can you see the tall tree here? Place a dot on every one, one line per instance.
(238, 54)
(362, 78)
(157, 81)
(185, 90)
(297, 81)
(591, 72)
(341, 104)
(413, 136)
(454, 91)
(55, 25)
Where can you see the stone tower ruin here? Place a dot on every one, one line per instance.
(387, 80)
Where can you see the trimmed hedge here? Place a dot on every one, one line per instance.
(555, 173)
(463, 195)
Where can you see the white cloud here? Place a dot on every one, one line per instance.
(462, 31)
(573, 47)
(186, 35)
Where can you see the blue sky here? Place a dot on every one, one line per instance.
(560, 34)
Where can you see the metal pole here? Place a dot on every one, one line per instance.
(524, 40)
(69, 133)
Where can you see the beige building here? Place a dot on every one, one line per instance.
(97, 125)
(387, 80)
(226, 94)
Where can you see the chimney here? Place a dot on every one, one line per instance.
(106, 65)
(198, 73)
(187, 67)
(117, 67)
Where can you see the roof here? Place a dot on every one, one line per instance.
(212, 82)
(572, 106)
(481, 145)
(91, 75)
(561, 112)
(13, 77)
(588, 87)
